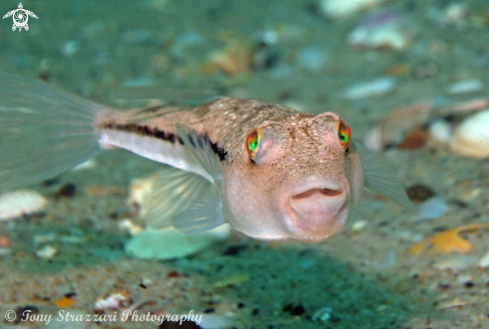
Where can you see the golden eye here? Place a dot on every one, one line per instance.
(344, 134)
(252, 142)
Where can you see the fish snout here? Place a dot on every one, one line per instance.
(320, 208)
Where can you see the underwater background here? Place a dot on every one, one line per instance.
(363, 59)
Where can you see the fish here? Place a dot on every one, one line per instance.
(269, 171)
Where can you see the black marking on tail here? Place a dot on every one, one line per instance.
(169, 137)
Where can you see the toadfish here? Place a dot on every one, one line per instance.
(269, 171)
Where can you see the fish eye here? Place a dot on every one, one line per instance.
(344, 134)
(252, 142)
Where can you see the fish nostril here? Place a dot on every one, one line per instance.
(316, 192)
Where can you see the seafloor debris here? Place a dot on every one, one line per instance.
(456, 263)
(117, 300)
(465, 87)
(449, 241)
(236, 57)
(64, 302)
(130, 227)
(456, 302)
(419, 193)
(375, 87)
(484, 261)
(19, 203)
(432, 208)
(383, 29)
(394, 128)
(47, 252)
(233, 280)
(471, 137)
(342, 8)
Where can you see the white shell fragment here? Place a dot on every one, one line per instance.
(382, 29)
(471, 137)
(465, 87)
(371, 88)
(440, 132)
(46, 252)
(19, 203)
(484, 261)
(343, 8)
(456, 263)
(171, 244)
(139, 190)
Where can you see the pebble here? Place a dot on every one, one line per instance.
(67, 191)
(454, 13)
(46, 252)
(465, 87)
(19, 203)
(383, 29)
(484, 261)
(471, 138)
(455, 263)
(323, 314)
(312, 59)
(375, 87)
(128, 226)
(343, 8)
(358, 225)
(69, 48)
(432, 208)
(40, 239)
(440, 132)
(419, 193)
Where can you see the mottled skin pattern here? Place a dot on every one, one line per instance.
(296, 149)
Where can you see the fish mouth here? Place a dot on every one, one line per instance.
(319, 209)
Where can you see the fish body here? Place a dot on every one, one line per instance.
(271, 172)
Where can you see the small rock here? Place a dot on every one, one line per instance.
(454, 13)
(342, 8)
(419, 193)
(383, 29)
(432, 208)
(324, 314)
(69, 48)
(471, 137)
(312, 59)
(358, 226)
(440, 132)
(372, 88)
(46, 252)
(484, 261)
(456, 263)
(465, 87)
(19, 203)
(128, 226)
(68, 190)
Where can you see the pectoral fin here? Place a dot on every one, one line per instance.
(173, 191)
(207, 153)
(202, 215)
(380, 178)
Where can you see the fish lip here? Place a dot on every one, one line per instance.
(315, 217)
(316, 184)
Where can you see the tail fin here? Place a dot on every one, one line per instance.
(43, 132)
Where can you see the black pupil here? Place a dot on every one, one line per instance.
(342, 137)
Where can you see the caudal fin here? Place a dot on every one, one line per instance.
(43, 132)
